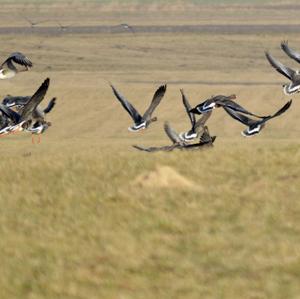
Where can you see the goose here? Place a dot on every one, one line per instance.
(255, 126)
(220, 101)
(292, 75)
(15, 101)
(34, 23)
(38, 123)
(127, 27)
(173, 136)
(15, 63)
(291, 53)
(205, 141)
(197, 126)
(23, 120)
(141, 122)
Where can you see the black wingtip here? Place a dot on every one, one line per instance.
(284, 44)
(289, 103)
(46, 82)
(163, 88)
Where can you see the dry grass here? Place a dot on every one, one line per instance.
(84, 215)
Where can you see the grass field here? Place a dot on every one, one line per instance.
(84, 215)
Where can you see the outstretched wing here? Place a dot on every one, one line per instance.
(171, 133)
(201, 122)
(18, 58)
(137, 118)
(240, 117)
(282, 69)
(35, 100)
(236, 107)
(50, 105)
(188, 107)
(167, 148)
(160, 92)
(291, 53)
(282, 110)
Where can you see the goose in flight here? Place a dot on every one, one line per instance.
(220, 101)
(292, 75)
(255, 126)
(141, 122)
(20, 101)
(32, 23)
(23, 120)
(15, 63)
(197, 126)
(205, 141)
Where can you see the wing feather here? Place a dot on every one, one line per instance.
(158, 95)
(290, 52)
(35, 100)
(137, 118)
(282, 69)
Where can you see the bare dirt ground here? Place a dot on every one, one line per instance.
(84, 215)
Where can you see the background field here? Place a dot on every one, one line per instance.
(84, 215)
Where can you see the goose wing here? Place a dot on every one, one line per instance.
(11, 114)
(137, 118)
(167, 148)
(18, 58)
(282, 69)
(236, 107)
(290, 52)
(50, 106)
(201, 122)
(158, 95)
(205, 137)
(171, 133)
(240, 117)
(281, 110)
(35, 100)
(188, 107)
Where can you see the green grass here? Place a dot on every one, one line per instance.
(77, 228)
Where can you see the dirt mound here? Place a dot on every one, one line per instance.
(163, 176)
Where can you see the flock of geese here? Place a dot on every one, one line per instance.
(23, 113)
(199, 131)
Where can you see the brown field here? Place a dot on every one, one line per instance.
(84, 215)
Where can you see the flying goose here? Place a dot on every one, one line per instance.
(141, 122)
(23, 120)
(254, 126)
(293, 75)
(291, 53)
(15, 63)
(197, 126)
(38, 124)
(32, 23)
(204, 141)
(220, 101)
